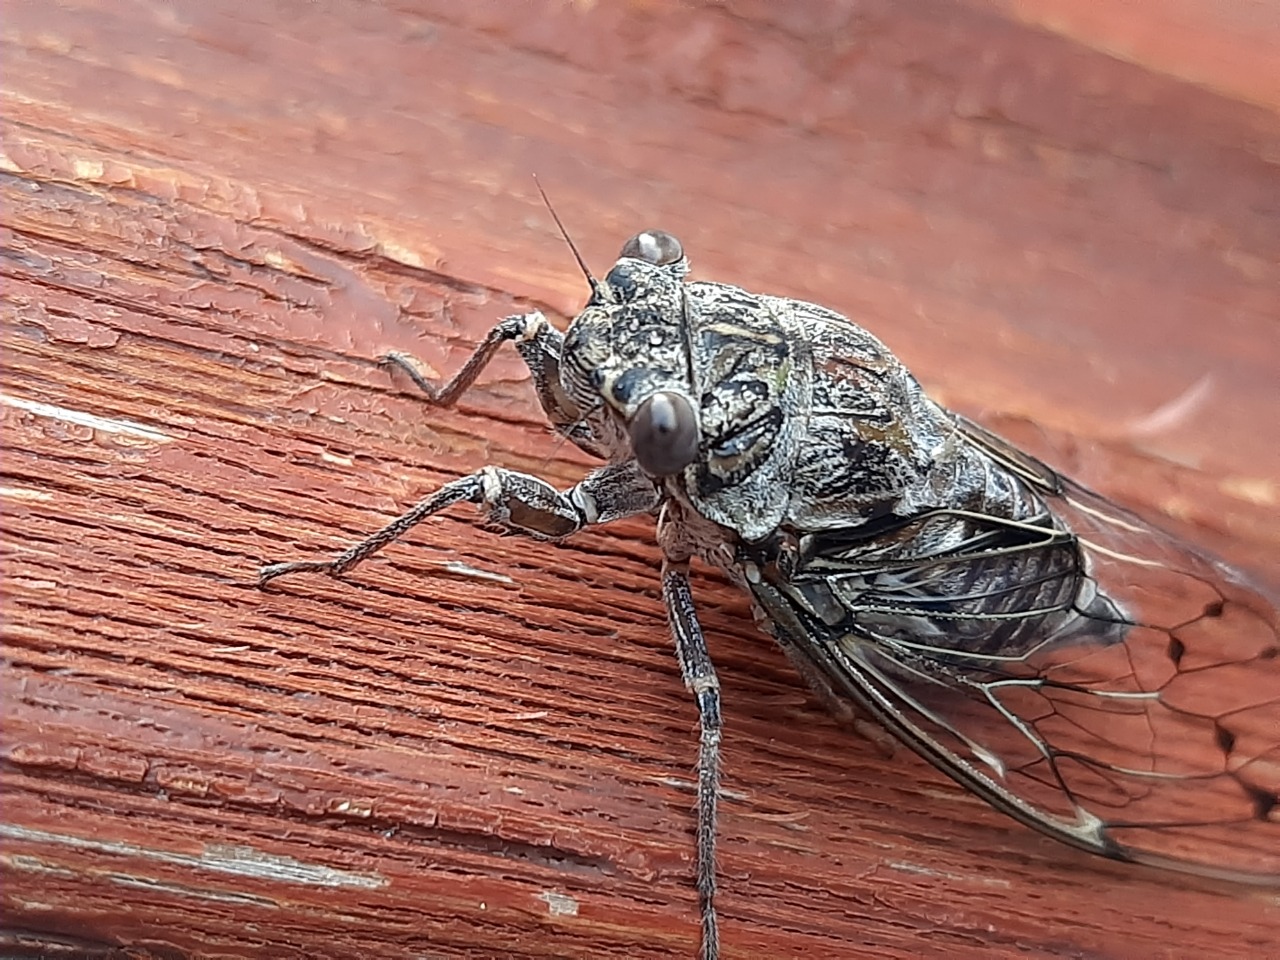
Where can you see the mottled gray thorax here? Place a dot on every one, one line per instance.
(810, 423)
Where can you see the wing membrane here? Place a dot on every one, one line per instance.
(1091, 675)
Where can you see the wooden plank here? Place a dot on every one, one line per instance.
(217, 215)
(1227, 47)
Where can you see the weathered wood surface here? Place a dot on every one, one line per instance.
(216, 214)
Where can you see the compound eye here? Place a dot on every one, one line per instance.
(653, 246)
(664, 434)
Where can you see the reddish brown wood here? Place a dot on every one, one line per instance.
(216, 214)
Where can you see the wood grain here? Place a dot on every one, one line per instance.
(216, 215)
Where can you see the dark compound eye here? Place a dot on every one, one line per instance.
(664, 435)
(653, 246)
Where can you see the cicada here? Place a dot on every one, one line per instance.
(1087, 674)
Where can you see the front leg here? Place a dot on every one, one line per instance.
(700, 677)
(535, 338)
(516, 501)
(540, 346)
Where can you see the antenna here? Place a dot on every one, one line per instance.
(595, 285)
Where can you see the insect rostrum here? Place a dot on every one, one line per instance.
(1084, 672)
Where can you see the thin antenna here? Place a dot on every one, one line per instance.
(565, 233)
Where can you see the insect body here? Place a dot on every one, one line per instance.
(1082, 671)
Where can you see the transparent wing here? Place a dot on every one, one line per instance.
(1095, 678)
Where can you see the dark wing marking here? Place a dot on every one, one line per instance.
(1110, 686)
